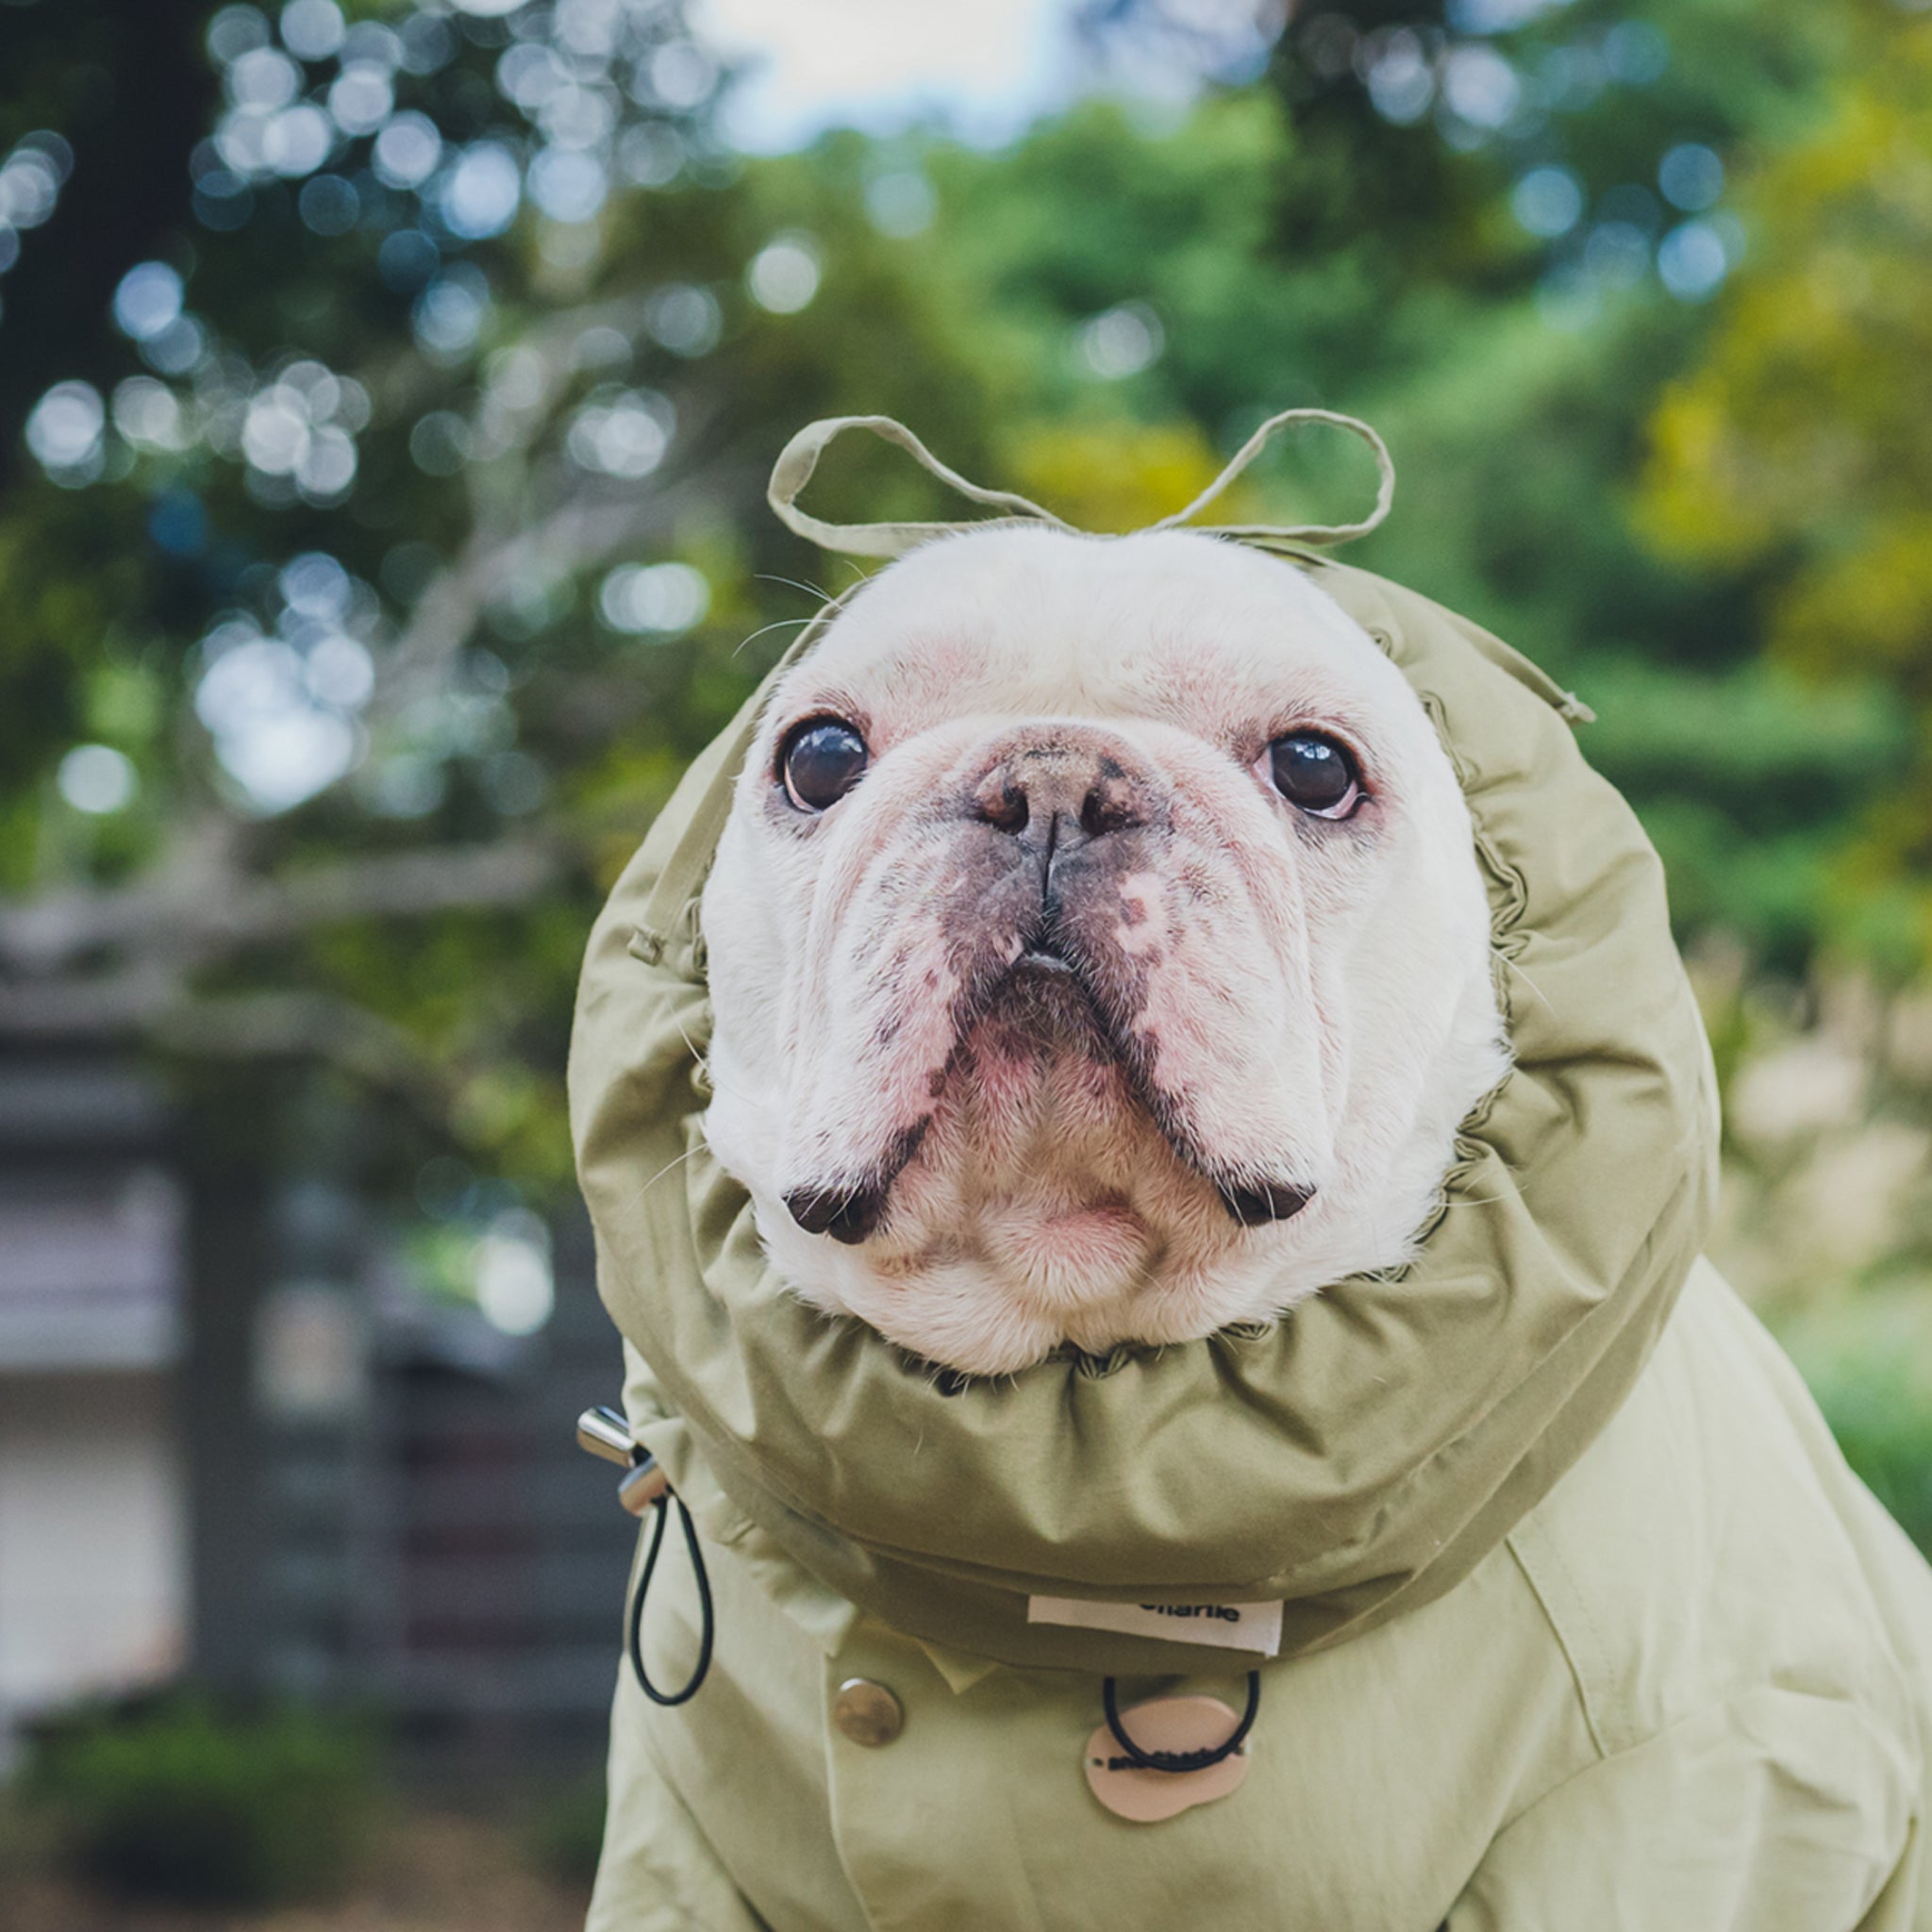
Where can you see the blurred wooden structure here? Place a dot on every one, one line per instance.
(236, 1444)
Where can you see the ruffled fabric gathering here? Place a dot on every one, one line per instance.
(1355, 1460)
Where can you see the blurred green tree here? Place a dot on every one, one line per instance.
(385, 396)
(1494, 227)
(377, 546)
(1802, 442)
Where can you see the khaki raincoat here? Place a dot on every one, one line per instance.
(1586, 1624)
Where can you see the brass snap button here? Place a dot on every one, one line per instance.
(868, 1713)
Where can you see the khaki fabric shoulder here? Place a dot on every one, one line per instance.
(1357, 1459)
(1688, 1694)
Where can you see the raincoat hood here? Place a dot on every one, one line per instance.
(1351, 1462)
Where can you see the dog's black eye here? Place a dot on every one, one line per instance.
(823, 760)
(1315, 774)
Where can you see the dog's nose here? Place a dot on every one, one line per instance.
(1059, 794)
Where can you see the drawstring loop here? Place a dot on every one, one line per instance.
(607, 1433)
(800, 458)
(660, 1512)
(1178, 1761)
(1300, 533)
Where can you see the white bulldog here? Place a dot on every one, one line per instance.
(1097, 951)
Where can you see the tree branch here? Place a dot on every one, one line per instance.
(193, 915)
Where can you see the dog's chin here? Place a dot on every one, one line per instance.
(1043, 1204)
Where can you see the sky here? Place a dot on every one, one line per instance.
(988, 66)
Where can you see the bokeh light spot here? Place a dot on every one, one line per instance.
(1691, 176)
(567, 185)
(371, 41)
(626, 435)
(30, 187)
(1547, 202)
(1397, 70)
(784, 274)
(439, 444)
(96, 778)
(147, 300)
(650, 156)
(664, 598)
(479, 199)
(1480, 86)
(406, 151)
(426, 43)
(360, 98)
(406, 261)
(264, 78)
(235, 31)
(1617, 254)
(1691, 262)
(297, 140)
(515, 1288)
(275, 431)
(339, 673)
(222, 200)
(148, 413)
(685, 319)
(178, 349)
(449, 313)
(1121, 342)
(64, 431)
(1636, 51)
(271, 736)
(681, 73)
(315, 585)
(329, 205)
(311, 29)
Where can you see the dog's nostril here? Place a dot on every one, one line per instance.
(1006, 809)
(1103, 811)
(1269, 1201)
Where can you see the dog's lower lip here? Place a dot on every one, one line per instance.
(1042, 961)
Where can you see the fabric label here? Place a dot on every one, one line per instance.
(1255, 1628)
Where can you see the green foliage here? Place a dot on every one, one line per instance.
(1865, 1359)
(1295, 238)
(1747, 779)
(566, 1835)
(490, 694)
(1801, 438)
(181, 1803)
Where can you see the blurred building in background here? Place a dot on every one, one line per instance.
(239, 1443)
(94, 1511)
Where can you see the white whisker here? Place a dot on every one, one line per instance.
(824, 595)
(777, 623)
(1528, 981)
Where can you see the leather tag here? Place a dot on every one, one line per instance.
(1168, 1723)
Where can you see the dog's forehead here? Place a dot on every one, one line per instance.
(1173, 623)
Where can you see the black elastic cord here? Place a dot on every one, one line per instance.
(1180, 1760)
(706, 1620)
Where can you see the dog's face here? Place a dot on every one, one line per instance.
(1097, 950)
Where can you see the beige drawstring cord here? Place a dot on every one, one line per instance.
(800, 458)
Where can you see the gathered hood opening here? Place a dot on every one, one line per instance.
(1355, 1459)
